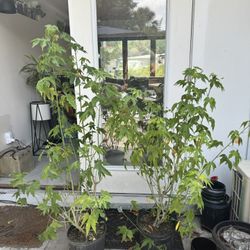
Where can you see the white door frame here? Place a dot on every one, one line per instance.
(83, 27)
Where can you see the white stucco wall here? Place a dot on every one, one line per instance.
(221, 45)
(16, 32)
(177, 46)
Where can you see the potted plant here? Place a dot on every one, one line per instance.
(80, 205)
(168, 146)
(30, 69)
(114, 155)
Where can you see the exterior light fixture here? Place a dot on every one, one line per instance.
(7, 7)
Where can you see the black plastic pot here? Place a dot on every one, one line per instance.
(115, 157)
(201, 243)
(97, 244)
(216, 192)
(159, 239)
(216, 205)
(219, 228)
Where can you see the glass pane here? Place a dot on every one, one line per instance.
(131, 38)
(139, 58)
(111, 57)
(160, 58)
(131, 18)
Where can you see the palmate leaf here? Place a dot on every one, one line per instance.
(147, 242)
(235, 138)
(71, 100)
(134, 206)
(225, 160)
(236, 156)
(245, 124)
(104, 200)
(126, 233)
(51, 171)
(33, 187)
(215, 143)
(44, 207)
(92, 221)
(215, 82)
(211, 101)
(51, 231)
(101, 170)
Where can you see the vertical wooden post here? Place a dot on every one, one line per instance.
(152, 57)
(125, 58)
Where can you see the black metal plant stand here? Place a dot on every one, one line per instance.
(40, 125)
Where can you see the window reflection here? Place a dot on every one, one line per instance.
(111, 58)
(139, 58)
(131, 39)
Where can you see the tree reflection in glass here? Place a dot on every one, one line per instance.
(131, 39)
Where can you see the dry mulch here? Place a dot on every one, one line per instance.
(21, 226)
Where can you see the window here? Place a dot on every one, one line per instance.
(131, 41)
(139, 58)
(111, 58)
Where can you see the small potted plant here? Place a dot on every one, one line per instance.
(79, 158)
(114, 155)
(30, 69)
(168, 146)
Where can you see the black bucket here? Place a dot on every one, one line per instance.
(216, 192)
(216, 205)
(201, 243)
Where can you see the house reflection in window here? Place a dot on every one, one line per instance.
(131, 43)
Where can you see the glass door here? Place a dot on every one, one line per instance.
(131, 45)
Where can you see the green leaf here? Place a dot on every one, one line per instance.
(71, 100)
(225, 160)
(91, 223)
(22, 201)
(126, 233)
(134, 205)
(235, 138)
(211, 101)
(245, 124)
(236, 155)
(101, 170)
(51, 231)
(33, 187)
(147, 242)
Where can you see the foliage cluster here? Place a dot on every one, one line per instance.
(169, 146)
(63, 74)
